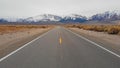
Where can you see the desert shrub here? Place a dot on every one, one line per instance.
(86, 27)
(99, 28)
(93, 28)
(14, 28)
(73, 25)
(113, 31)
(79, 27)
(43, 26)
(110, 29)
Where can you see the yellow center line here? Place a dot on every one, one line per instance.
(60, 40)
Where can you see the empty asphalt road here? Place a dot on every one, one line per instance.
(60, 48)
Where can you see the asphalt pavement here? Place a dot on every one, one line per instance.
(60, 48)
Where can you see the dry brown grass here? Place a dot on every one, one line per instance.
(110, 29)
(14, 28)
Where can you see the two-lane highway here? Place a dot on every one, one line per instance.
(60, 48)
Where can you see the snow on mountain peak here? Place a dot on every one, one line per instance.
(74, 16)
(44, 17)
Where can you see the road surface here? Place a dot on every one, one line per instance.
(60, 48)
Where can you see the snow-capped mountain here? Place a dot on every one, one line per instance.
(74, 18)
(50, 17)
(44, 17)
(107, 16)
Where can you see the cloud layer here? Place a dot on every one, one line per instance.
(26, 8)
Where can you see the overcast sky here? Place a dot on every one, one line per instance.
(27, 8)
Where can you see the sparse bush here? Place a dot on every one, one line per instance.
(113, 31)
(15, 28)
(99, 28)
(110, 29)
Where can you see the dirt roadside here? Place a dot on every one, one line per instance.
(111, 42)
(11, 41)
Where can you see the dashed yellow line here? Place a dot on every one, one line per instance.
(60, 40)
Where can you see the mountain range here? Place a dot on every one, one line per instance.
(106, 16)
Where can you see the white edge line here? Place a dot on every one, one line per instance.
(23, 46)
(95, 44)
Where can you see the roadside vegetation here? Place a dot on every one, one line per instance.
(110, 29)
(15, 28)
